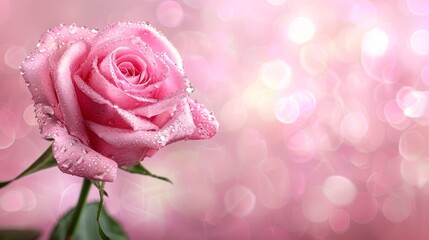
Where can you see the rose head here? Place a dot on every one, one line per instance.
(111, 98)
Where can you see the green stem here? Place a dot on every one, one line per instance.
(79, 208)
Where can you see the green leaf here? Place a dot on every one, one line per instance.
(87, 225)
(19, 234)
(140, 169)
(47, 160)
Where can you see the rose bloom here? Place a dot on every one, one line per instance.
(111, 98)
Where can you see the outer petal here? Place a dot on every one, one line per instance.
(147, 33)
(175, 81)
(75, 158)
(121, 138)
(179, 127)
(42, 61)
(159, 107)
(132, 120)
(207, 125)
(66, 94)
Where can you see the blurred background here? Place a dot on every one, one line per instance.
(324, 115)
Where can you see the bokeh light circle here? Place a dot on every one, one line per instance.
(375, 42)
(396, 208)
(276, 74)
(339, 221)
(339, 190)
(239, 200)
(277, 2)
(418, 7)
(412, 145)
(170, 13)
(301, 30)
(419, 41)
(287, 110)
(363, 14)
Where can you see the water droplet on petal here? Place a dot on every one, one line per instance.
(72, 29)
(190, 89)
(66, 163)
(48, 110)
(63, 149)
(80, 160)
(101, 176)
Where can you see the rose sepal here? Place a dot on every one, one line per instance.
(140, 169)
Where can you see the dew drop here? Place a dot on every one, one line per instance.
(72, 29)
(42, 50)
(66, 163)
(101, 176)
(63, 149)
(190, 89)
(48, 110)
(80, 160)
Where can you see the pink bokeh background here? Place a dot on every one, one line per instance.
(324, 115)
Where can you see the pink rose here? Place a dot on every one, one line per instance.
(111, 98)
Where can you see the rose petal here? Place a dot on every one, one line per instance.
(75, 158)
(37, 67)
(121, 138)
(114, 94)
(103, 51)
(206, 123)
(176, 81)
(157, 69)
(135, 122)
(160, 106)
(124, 156)
(66, 94)
(147, 33)
(180, 126)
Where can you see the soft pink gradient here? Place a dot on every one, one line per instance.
(323, 114)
